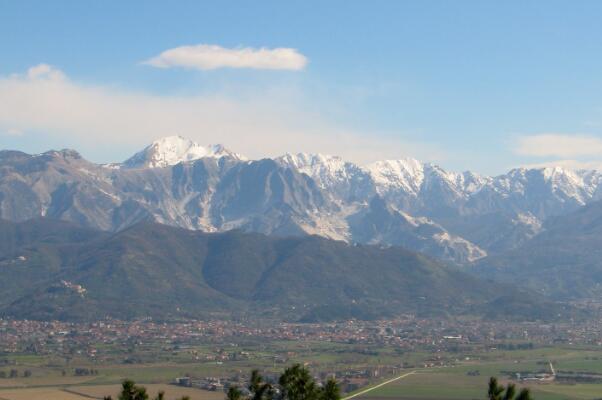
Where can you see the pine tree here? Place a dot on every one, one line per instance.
(497, 392)
(296, 383)
(331, 390)
(234, 393)
(259, 389)
(129, 391)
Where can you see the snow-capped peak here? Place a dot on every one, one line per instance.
(172, 150)
(406, 174)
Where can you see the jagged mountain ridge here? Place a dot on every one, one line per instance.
(458, 217)
(495, 213)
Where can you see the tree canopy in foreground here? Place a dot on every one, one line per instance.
(295, 383)
(498, 392)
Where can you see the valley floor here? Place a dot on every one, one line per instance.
(437, 359)
(459, 373)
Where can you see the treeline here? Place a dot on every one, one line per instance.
(515, 346)
(85, 371)
(14, 373)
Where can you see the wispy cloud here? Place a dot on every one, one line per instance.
(103, 119)
(576, 151)
(559, 145)
(45, 71)
(207, 57)
(568, 164)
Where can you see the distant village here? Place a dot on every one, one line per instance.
(405, 333)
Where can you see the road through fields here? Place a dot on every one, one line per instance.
(379, 385)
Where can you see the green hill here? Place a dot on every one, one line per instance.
(165, 272)
(564, 261)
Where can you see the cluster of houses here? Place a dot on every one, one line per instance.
(211, 384)
(349, 380)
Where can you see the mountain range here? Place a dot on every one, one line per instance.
(52, 269)
(459, 218)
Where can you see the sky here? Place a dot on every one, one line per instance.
(469, 85)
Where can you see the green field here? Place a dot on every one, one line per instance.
(454, 380)
(449, 384)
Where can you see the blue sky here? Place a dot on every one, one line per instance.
(468, 84)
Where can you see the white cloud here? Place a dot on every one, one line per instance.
(45, 71)
(567, 164)
(206, 57)
(104, 121)
(559, 145)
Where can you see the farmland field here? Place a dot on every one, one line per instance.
(171, 391)
(459, 374)
(48, 393)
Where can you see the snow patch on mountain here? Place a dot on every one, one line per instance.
(329, 172)
(564, 184)
(405, 174)
(452, 247)
(326, 170)
(530, 220)
(455, 244)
